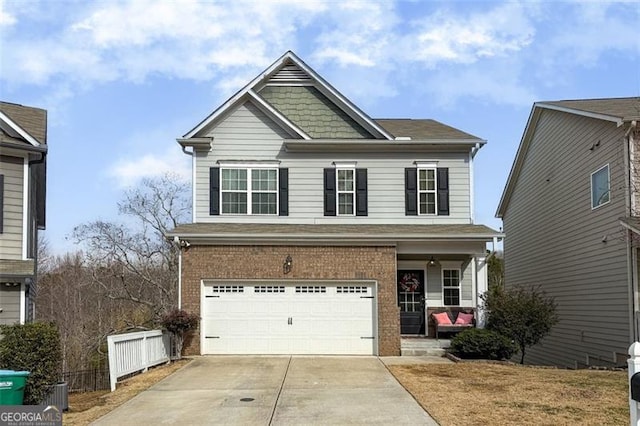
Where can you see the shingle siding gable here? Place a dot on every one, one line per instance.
(313, 112)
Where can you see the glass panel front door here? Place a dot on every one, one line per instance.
(411, 301)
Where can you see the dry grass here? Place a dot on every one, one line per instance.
(497, 394)
(89, 406)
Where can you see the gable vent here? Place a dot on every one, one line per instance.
(290, 73)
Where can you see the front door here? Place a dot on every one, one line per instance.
(411, 301)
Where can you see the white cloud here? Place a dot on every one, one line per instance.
(6, 19)
(383, 45)
(456, 38)
(127, 172)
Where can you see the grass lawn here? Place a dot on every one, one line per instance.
(88, 406)
(505, 394)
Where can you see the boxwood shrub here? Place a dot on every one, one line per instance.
(479, 343)
(33, 347)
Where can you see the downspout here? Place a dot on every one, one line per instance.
(176, 240)
(33, 286)
(632, 259)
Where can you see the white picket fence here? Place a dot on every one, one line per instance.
(132, 352)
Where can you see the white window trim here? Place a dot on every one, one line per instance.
(249, 191)
(608, 186)
(352, 192)
(459, 287)
(434, 191)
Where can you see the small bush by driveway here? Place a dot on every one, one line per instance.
(497, 394)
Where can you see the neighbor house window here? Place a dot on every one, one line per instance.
(427, 191)
(249, 191)
(600, 187)
(451, 287)
(346, 191)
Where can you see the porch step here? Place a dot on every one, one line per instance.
(424, 346)
(422, 352)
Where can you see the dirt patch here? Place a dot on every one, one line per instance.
(88, 406)
(473, 394)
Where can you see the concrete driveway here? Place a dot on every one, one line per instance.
(283, 390)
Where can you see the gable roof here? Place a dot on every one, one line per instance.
(423, 129)
(617, 110)
(287, 68)
(614, 109)
(22, 124)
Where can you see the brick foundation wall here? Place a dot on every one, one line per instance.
(309, 262)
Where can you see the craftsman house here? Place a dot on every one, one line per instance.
(319, 230)
(570, 213)
(23, 149)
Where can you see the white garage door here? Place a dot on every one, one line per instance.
(298, 318)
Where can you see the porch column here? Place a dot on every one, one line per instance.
(481, 287)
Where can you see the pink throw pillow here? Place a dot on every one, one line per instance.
(442, 318)
(464, 319)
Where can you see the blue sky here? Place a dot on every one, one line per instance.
(122, 79)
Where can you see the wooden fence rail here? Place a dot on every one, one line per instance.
(132, 352)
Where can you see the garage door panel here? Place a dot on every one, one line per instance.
(295, 318)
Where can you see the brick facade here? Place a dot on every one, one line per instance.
(309, 263)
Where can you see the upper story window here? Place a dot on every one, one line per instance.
(251, 190)
(600, 187)
(426, 190)
(345, 190)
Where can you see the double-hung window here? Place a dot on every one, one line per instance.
(600, 187)
(346, 191)
(427, 191)
(451, 287)
(249, 191)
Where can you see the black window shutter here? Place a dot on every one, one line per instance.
(283, 192)
(361, 192)
(411, 191)
(330, 192)
(443, 191)
(214, 191)
(1, 204)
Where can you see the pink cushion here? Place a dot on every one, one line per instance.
(464, 319)
(442, 318)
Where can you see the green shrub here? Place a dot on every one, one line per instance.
(33, 347)
(525, 315)
(478, 343)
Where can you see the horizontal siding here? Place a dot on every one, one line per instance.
(11, 239)
(555, 240)
(434, 285)
(247, 134)
(10, 304)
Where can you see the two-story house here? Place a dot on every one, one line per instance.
(23, 150)
(570, 214)
(319, 230)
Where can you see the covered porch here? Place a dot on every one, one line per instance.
(439, 276)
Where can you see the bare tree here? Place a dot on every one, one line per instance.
(131, 260)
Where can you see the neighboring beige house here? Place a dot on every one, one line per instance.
(23, 150)
(318, 230)
(570, 213)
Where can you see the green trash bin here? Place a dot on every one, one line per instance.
(12, 384)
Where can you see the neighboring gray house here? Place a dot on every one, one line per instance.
(570, 210)
(23, 149)
(318, 230)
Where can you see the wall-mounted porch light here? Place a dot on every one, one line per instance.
(432, 262)
(286, 266)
